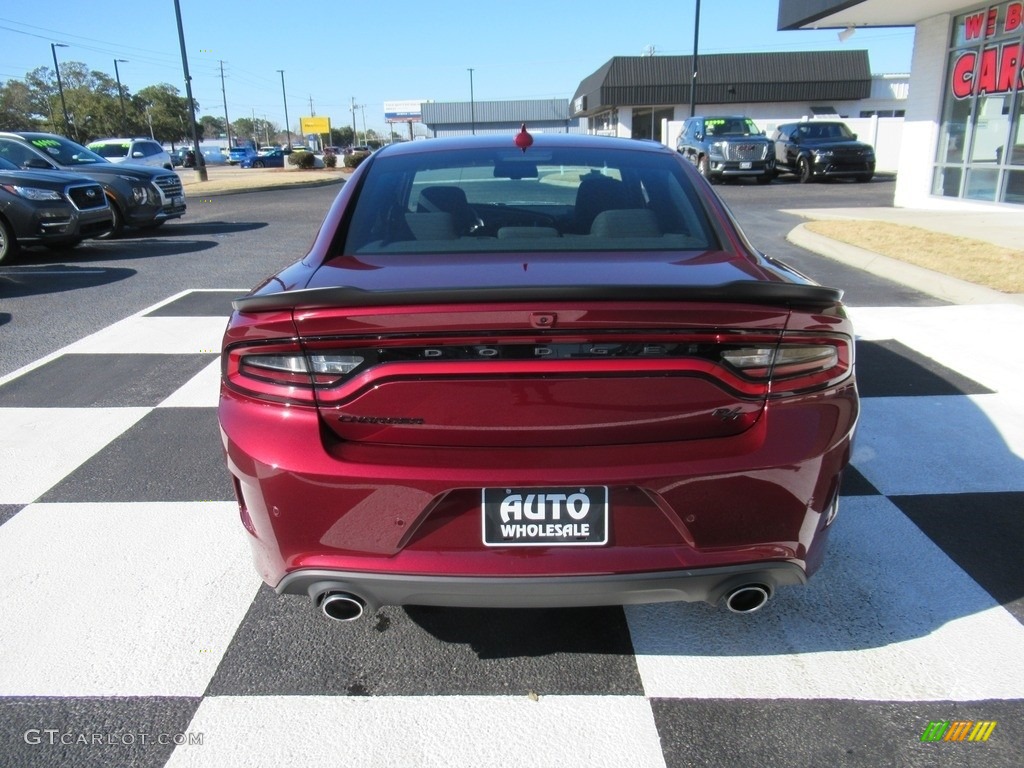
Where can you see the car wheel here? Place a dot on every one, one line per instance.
(8, 244)
(803, 170)
(117, 225)
(257, 163)
(704, 169)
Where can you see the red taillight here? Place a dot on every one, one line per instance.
(797, 364)
(283, 373)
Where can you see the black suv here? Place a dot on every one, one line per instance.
(139, 196)
(822, 148)
(727, 146)
(46, 208)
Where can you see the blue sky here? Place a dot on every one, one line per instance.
(393, 50)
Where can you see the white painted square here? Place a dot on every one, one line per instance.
(120, 599)
(944, 444)
(981, 342)
(888, 617)
(39, 446)
(155, 335)
(201, 391)
(425, 732)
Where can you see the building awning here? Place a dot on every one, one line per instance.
(840, 14)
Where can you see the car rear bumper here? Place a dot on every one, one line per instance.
(404, 524)
(709, 585)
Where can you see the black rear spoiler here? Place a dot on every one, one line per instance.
(739, 292)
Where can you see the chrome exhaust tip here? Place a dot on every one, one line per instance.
(748, 598)
(341, 606)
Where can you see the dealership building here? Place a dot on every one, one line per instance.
(963, 132)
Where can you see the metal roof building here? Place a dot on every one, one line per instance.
(632, 95)
(724, 78)
(461, 118)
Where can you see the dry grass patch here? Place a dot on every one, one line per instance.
(975, 261)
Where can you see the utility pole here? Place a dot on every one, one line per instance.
(200, 160)
(224, 95)
(311, 112)
(120, 95)
(693, 81)
(472, 105)
(60, 85)
(287, 127)
(355, 136)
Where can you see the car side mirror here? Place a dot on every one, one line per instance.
(136, 154)
(855, 135)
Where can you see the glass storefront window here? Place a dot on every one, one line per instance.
(1013, 187)
(981, 184)
(991, 127)
(981, 136)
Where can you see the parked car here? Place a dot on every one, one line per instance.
(817, 149)
(479, 388)
(137, 151)
(179, 156)
(727, 146)
(266, 158)
(57, 210)
(237, 155)
(214, 156)
(139, 196)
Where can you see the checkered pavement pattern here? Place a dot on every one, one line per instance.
(134, 631)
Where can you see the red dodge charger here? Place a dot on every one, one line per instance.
(516, 373)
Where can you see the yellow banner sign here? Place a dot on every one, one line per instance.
(311, 125)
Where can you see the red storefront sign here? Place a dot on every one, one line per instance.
(995, 69)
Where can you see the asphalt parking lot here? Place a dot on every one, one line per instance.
(135, 632)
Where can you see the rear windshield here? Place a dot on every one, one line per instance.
(546, 199)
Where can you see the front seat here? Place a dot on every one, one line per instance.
(597, 193)
(450, 200)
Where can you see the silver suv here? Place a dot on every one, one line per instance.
(727, 146)
(138, 151)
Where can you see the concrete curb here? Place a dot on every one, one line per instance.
(925, 280)
(212, 189)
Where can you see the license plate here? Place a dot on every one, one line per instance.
(548, 517)
(746, 166)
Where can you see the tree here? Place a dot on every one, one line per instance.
(213, 127)
(167, 112)
(256, 130)
(342, 137)
(18, 107)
